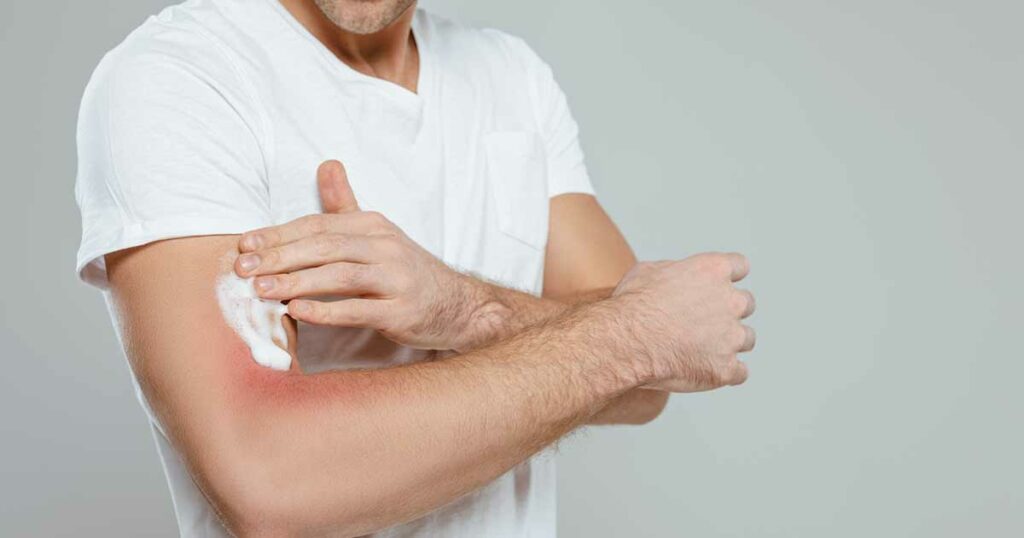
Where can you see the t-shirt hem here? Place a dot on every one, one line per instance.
(580, 184)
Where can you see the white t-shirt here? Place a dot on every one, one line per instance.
(211, 118)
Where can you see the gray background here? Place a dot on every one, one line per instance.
(866, 155)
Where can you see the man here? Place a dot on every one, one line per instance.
(419, 405)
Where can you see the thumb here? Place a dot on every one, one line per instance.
(336, 194)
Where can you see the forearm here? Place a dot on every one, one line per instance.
(504, 312)
(359, 451)
(494, 313)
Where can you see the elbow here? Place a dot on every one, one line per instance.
(259, 504)
(252, 502)
(265, 473)
(251, 513)
(244, 495)
(261, 483)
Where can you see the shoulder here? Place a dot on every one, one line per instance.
(170, 52)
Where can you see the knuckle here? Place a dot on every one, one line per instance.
(720, 265)
(342, 276)
(379, 222)
(335, 314)
(371, 316)
(269, 237)
(315, 311)
(357, 274)
(271, 257)
(391, 247)
(744, 260)
(350, 276)
(286, 282)
(324, 245)
(708, 262)
(752, 338)
(740, 373)
(315, 224)
(738, 337)
(718, 376)
(738, 303)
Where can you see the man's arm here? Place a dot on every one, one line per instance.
(353, 451)
(350, 452)
(423, 303)
(586, 258)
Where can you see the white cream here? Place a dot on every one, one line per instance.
(257, 321)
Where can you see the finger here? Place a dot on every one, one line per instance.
(746, 303)
(312, 252)
(749, 340)
(336, 279)
(739, 373)
(336, 194)
(740, 265)
(356, 222)
(345, 313)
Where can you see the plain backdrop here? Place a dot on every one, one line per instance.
(865, 155)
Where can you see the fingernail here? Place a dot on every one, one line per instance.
(299, 307)
(252, 242)
(248, 262)
(265, 284)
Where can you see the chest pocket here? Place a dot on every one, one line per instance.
(517, 173)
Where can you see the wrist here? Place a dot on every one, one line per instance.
(621, 335)
(483, 314)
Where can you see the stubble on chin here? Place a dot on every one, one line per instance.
(368, 18)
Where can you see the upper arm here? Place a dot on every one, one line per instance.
(585, 249)
(196, 374)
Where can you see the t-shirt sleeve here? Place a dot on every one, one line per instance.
(168, 146)
(567, 172)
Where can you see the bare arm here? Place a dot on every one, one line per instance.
(586, 258)
(350, 452)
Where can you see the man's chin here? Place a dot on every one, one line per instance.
(362, 26)
(363, 17)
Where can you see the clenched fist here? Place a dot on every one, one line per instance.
(685, 320)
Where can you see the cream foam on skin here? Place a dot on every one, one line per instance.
(257, 321)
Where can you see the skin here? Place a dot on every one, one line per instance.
(401, 290)
(350, 452)
(363, 17)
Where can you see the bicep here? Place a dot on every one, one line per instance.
(585, 249)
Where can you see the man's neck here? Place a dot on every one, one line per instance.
(390, 54)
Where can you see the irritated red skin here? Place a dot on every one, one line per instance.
(262, 387)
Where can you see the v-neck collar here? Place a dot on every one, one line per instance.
(418, 34)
